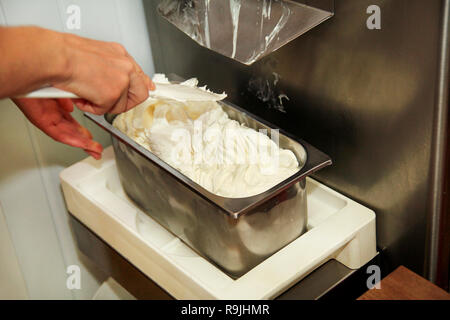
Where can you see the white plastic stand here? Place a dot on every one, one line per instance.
(339, 228)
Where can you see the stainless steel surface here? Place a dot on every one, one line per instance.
(317, 284)
(365, 97)
(333, 281)
(245, 30)
(440, 135)
(234, 233)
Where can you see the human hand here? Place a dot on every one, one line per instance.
(103, 74)
(53, 117)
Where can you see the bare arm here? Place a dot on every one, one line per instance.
(30, 58)
(103, 74)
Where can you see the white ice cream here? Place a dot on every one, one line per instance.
(199, 140)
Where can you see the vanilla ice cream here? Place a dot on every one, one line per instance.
(202, 142)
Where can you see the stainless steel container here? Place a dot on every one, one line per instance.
(236, 234)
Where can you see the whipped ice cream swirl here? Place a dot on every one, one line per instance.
(202, 142)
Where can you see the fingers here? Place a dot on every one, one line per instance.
(139, 85)
(96, 156)
(73, 134)
(105, 76)
(137, 93)
(149, 83)
(85, 132)
(66, 104)
(83, 140)
(70, 132)
(52, 116)
(87, 106)
(121, 104)
(152, 86)
(82, 137)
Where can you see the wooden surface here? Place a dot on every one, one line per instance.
(403, 284)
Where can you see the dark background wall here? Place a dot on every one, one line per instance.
(365, 97)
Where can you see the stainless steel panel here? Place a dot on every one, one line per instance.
(435, 260)
(365, 97)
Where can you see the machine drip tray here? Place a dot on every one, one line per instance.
(338, 228)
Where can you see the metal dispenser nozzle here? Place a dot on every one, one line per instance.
(245, 30)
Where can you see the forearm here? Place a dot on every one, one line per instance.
(102, 74)
(30, 57)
